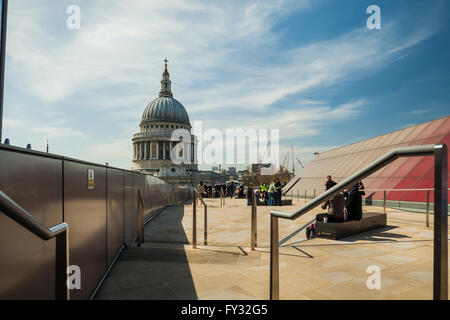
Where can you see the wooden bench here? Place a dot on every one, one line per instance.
(333, 230)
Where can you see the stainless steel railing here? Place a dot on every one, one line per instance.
(427, 204)
(196, 197)
(440, 258)
(140, 218)
(60, 232)
(254, 224)
(253, 228)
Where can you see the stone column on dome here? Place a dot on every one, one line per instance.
(157, 149)
(145, 150)
(137, 150)
(164, 150)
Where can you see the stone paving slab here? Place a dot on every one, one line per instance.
(167, 267)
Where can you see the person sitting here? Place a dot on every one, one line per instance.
(336, 213)
(354, 202)
(336, 209)
(266, 198)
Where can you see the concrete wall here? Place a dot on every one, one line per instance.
(55, 189)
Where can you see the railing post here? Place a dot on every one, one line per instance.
(221, 197)
(428, 209)
(298, 195)
(253, 223)
(314, 194)
(140, 218)
(274, 259)
(194, 222)
(62, 291)
(440, 258)
(205, 227)
(384, 202)
(305, 195)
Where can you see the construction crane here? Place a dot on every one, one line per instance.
(262, 158)
(300, 162)
(284, 161)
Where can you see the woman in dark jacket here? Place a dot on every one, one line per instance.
(354, 202)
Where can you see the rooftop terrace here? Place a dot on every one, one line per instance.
(167, 267)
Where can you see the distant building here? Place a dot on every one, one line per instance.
(256, 166)
(153, 145)
(231, 170)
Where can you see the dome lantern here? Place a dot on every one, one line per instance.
(166, 90)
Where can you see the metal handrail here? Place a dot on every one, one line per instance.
(440, 272)
(254, 223)
(140, 219)
(194, 220)
(205, 221)
(60, 232)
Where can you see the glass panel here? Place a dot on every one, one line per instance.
(430, 129)
(444, 128)
(415, 132)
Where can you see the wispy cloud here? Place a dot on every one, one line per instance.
(225, 60)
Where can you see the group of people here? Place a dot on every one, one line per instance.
(270, 196)
(344, 206)
(213, 191)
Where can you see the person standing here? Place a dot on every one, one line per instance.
(278, 188)
(329, 183)
(250, 194)
(354, 202)
(201, 189)
(271, 193)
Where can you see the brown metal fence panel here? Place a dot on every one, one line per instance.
(85, 212)
(115, 212)
(26, 262)
(100, 208)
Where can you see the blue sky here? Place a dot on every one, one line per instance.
(309, 68)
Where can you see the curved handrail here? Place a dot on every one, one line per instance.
(60, 232)
(359, 175)
(26, 220)
(440, 246)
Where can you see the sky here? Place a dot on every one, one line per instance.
(310, 68)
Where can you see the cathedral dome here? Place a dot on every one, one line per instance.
(165, 109)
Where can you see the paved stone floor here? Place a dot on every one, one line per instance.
(166, 266)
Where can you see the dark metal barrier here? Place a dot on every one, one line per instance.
(102, 213)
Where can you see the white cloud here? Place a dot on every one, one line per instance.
(114, 63)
